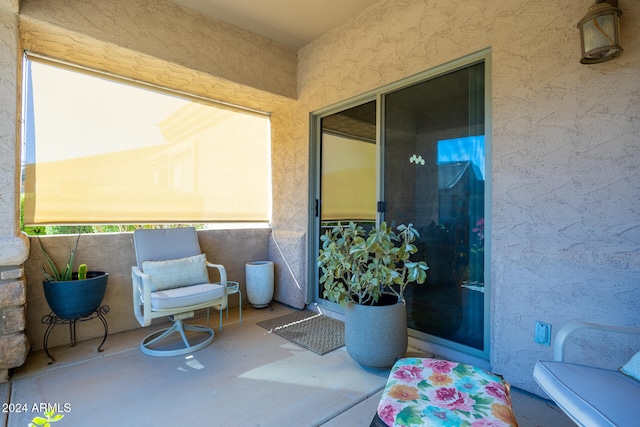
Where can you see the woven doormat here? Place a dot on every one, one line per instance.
(313, 331)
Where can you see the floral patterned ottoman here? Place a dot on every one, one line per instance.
(434, 392)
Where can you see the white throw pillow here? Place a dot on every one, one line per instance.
(632, 368)
(175, 273)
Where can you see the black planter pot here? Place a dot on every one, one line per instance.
(74, 299)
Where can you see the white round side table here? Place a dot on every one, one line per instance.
(232, 288)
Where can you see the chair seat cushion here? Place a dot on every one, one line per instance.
(433, 392)
(590, 395)
(186, 296)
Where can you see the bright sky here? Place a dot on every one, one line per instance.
(470, 148)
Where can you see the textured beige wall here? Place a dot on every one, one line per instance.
(8, 123)
(9, 5)
(163, 30)
(14, 248)
(565, 230)
(58, 42)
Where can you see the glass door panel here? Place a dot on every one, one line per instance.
(433, 145)
(348, 168)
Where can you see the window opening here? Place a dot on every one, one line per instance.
(98, 150)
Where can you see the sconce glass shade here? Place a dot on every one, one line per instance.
(600, 33)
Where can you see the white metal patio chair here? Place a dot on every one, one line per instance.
(591, 396)
(171, 279)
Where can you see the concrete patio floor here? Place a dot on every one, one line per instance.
(246, 377)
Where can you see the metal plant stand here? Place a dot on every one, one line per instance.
(52, 320)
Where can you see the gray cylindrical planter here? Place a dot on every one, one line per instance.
(259, 276)
(376, 336)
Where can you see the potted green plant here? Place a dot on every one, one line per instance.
(367, 273)
(72, 295)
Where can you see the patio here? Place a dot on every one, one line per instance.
(563, 225)
(246, 377)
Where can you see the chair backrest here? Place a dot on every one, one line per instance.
(165, 243)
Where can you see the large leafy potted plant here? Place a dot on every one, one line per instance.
(72, 295)
(367, 273)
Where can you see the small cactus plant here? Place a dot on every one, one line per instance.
(82, 271)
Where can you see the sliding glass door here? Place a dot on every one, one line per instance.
(416, 153)
(348, 168)
(434, 176)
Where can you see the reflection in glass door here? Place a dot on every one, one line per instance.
(348, 168)
(434, 176)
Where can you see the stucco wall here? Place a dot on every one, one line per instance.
(161, 43)
(565, 229)
(14, 247)
(8, 123)
(163, 30)
(290, 174)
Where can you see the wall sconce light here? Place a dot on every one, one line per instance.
(600, 32)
